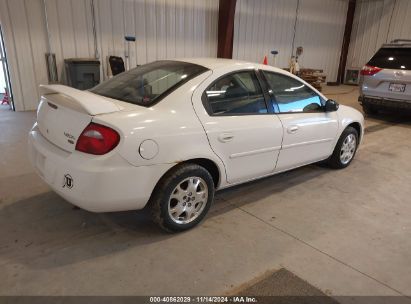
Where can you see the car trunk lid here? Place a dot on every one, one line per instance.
(393, 78)
(389, 83)
(64, 112)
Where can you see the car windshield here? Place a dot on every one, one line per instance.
(149, 83)
(392, 58)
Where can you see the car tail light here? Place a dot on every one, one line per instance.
(369, 70)
(97, 139)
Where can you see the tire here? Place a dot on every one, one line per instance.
(337, 160)
(173, 193)
(369, 110)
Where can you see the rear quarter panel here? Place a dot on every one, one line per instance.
(172, 124)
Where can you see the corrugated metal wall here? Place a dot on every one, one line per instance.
(377, 22)
(264, 25)
(320, 30)
(164, 29)
(71, 34)
(25, 42)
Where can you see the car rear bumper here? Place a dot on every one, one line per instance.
(99, 184)
(388, 103)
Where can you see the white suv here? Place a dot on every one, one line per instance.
(385, 81)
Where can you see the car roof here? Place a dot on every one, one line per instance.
(396, 45)
(220, 63)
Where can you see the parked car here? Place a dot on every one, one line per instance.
(385, 81)
(169, 133)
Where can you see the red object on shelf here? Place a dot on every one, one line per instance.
(6, 99)
(265, 60)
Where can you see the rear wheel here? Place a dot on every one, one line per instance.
(182, 198)
(345, 149)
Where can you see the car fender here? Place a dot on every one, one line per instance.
(348, 115)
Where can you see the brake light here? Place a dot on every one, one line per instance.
(369, 70)
(97, 139)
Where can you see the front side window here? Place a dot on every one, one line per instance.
(237, 93)
(292, 95)
(149, 83)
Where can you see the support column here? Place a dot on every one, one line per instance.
(346, 40)
(226, 28)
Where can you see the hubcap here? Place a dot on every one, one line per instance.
(348, 149)
(188, 200)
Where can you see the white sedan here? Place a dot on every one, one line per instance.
(169, 133)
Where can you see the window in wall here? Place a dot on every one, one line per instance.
(292, 95)
(237, 93)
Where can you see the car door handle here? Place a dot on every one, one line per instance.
(226, 137)
(292, 129)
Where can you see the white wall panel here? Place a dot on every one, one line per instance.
(70, 29)
(265, 25)
(25, 46)
(261, 26)
(164, 29)
(400, 26)
(37, 41)
(377, 22)
(320, 30)
(23, 23)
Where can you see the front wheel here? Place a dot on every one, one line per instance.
(345, 149)
(182, 198)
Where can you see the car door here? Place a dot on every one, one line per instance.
(239, 126)
(309, 131)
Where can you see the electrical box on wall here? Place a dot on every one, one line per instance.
(352, 76)
(82, 73)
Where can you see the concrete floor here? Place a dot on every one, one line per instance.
(346, 232)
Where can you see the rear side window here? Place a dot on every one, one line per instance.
(149, 83)
(392, 58)
(292, 95)
(236, 94)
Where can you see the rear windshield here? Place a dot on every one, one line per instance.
(149, 83)
(392, 58)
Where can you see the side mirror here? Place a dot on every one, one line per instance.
(331, 105)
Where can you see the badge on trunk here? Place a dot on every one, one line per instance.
(68, 181)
